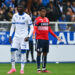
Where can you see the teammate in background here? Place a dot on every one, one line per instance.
(42, 29)
(20, 23)
(30, 50)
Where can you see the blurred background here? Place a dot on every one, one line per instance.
(57, 11)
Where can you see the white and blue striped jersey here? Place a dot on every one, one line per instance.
(20, 24)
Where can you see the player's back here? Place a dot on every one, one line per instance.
(21, 24)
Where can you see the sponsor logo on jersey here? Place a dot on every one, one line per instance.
(44, 24)
(43, 28)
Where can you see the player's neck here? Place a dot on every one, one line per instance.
(42, 16)
(21, 13)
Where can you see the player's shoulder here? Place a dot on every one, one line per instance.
(27, 15)
(37, 18)
(15, 15)
(46, 18)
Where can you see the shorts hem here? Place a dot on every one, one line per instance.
(13, 49)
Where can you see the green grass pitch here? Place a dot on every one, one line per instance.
(30, 69)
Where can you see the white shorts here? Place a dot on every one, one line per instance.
(19, 43)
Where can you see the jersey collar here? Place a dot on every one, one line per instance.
(22, 14)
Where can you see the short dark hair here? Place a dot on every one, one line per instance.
(20, 5)
(42, 8)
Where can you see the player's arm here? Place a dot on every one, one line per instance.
(52, 33)
(31, 29)
(35, 28)
(34, 31)
(12, 30)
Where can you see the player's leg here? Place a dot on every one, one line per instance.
(13, 69)
(31, 49)
(13, 57)
(44, 61)
(39, 50)
(24, 47)
(27, 55)
(44, 56)
(38, 61)
(23, 60)
(18, 55)
(14, 47)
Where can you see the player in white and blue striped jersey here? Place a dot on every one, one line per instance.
(20, 23)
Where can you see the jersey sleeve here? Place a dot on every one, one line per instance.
(12, 26)
(36, 22)
(51, 31)
(31, 26)
(48, 21)
(34, 31)
(35, 26)
(29, 21)
(13, 20)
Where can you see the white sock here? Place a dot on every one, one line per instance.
(23, 60)
(13, 59)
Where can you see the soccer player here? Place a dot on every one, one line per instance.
(31, 50)
(20, 23)
(42, 29)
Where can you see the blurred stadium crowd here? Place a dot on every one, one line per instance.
(56, 9)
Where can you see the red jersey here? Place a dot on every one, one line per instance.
(42, 28)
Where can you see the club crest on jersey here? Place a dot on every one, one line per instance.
(23, 18)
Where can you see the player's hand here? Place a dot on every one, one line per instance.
(58, 38)
(26, 39)
(33, 36)
(10, 39)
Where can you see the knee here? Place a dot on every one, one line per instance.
(44, 54)
(38, 53)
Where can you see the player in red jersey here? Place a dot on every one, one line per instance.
(42, 29)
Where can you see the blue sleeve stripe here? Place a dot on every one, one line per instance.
(25, 49)
(30, 24)
(13, 23)
(18, 23)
